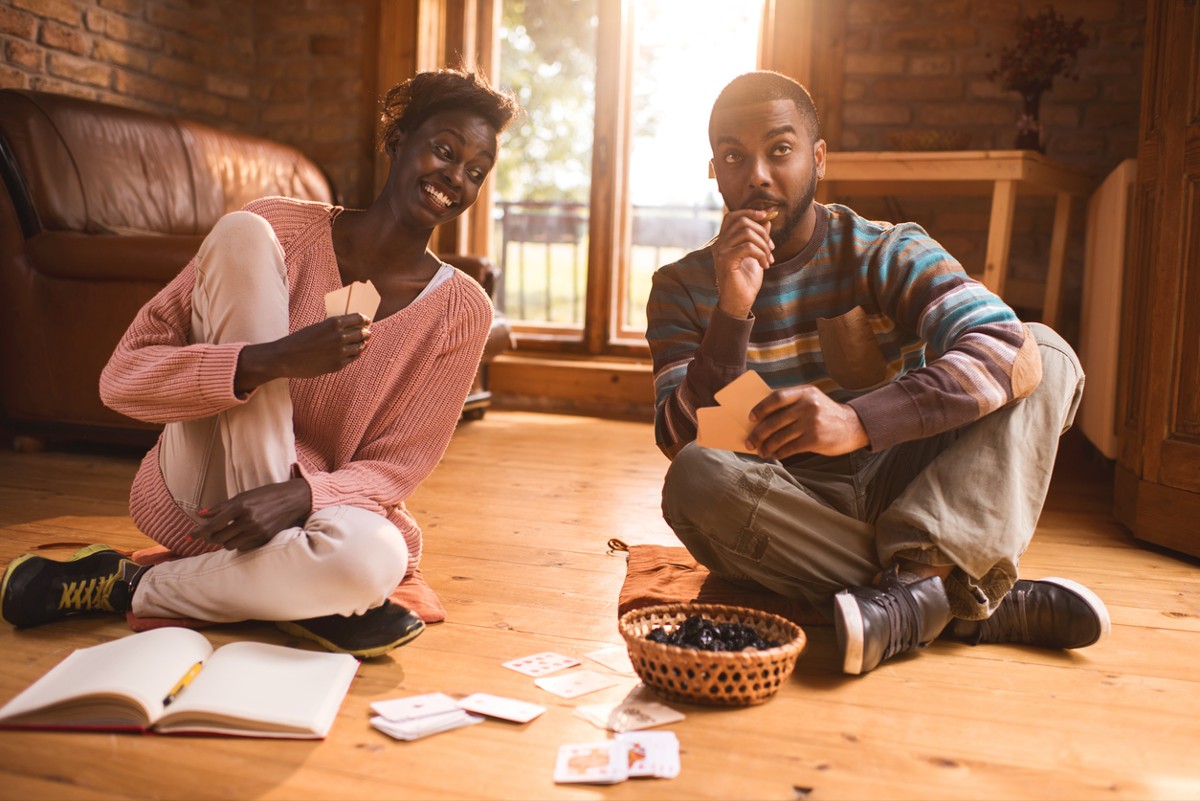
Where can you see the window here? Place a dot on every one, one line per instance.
(605, 178)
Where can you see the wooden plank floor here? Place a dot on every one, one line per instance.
(516, 522)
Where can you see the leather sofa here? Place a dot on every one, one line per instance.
(103, 206)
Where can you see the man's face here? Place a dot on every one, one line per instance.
(765, 158)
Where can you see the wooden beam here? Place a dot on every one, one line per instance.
(609, 156)
(397, 59)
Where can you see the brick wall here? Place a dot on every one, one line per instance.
(923, 64)
(302, 72)
(316, 68)
(290, 70)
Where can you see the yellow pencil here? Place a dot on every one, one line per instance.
(185, 681)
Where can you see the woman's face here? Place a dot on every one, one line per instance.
(438, 168)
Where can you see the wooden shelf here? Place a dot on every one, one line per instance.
(1002, 173)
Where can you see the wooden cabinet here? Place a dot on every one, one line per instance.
(1158, 468)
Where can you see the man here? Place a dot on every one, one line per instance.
(897, 469)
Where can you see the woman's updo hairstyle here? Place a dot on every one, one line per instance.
(412, 102)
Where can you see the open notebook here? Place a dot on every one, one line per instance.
(171, 681)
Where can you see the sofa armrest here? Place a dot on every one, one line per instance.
(499, 338)
(482, 270)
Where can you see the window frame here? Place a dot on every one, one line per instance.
(609, 213)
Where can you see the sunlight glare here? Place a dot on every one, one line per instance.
(691, 55)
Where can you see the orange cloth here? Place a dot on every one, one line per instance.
(660, 574)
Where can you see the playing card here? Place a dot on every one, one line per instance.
(727, 425)
(541, 664)
(615, 658)
(575, 683)
(335, 301)
(629, 715)
(363, 299)
(423, 727)
(716, 427)
(415, 706)
(495, 706)
(592, 763)
(650, 753)
(743, 393)
(360, 296)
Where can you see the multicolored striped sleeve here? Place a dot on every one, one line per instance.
(987, 359)
(692, 360)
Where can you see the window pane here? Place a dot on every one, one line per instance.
(681, 61)
(543, 180)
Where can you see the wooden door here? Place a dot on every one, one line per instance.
(1158, 471)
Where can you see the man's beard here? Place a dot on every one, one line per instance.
(782, 230)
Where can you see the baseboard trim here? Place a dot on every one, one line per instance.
(610, 387)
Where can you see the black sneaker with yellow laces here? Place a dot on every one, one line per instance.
(373, 633)
(37, 590)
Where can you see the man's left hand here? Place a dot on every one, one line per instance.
(804, 419)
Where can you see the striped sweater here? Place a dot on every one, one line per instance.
(876, 315)
(366, 435)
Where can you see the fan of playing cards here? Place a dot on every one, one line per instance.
(727, 425)
(630, 753)
(626, 756)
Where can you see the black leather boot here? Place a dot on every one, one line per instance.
(1051, 613)
(876, 623)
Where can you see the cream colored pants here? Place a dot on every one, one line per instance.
(343, 560)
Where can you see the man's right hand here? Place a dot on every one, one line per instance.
(314, 350)
(741, 254)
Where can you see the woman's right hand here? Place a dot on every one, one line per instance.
(314, 350)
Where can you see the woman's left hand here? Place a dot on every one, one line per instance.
(252, 518)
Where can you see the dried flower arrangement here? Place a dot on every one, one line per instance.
(1045, 46)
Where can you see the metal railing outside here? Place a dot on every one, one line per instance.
(542, 249)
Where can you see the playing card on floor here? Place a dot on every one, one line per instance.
(541, 664)
(495, 706)
(592, 763)
(575, 683)
(650, 753)
(414, 706)
(615, 658)
(424, 726)
(629, 715)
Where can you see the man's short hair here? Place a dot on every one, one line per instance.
(761, 87)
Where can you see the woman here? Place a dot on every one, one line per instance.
(292, 440)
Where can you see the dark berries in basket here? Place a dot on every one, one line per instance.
(658, 635)
(702, 634)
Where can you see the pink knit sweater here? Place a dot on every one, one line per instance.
(366, 435)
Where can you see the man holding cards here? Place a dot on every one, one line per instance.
(309, 365)
(896, 451)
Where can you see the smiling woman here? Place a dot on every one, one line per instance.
(295, 431)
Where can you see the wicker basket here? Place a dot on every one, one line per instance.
(721, 678)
